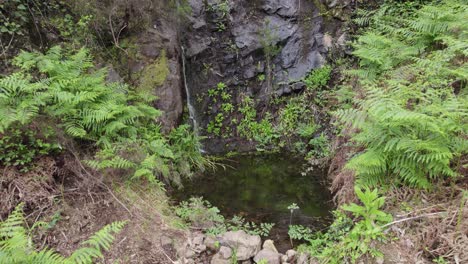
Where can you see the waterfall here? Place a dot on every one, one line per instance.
(191, 108)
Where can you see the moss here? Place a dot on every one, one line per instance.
(155, 74)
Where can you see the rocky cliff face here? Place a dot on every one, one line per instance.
(257, 48)
(152, 59)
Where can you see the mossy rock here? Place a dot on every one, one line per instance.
(155, 74)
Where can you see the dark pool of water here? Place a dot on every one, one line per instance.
(260, 188)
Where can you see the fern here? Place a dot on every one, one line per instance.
(412, 123)
(119, 121)
(17, 247)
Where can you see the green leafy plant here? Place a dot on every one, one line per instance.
(318, 78)
(220, 10)
(19, 148)
(263, 131)
(201, 214)
(16, 244)
(319, 147)
(291, 115)
(346, 241)
(261, 77)
(13, 17)
(299, 232)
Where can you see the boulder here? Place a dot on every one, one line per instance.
(291, 255)
(218, 259)
(225, 252)
(270, 256)
(303, 259)
(211, 243)
(269, 245)
(285, 8)
(246, 246)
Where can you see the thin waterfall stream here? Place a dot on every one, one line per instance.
(191, 108)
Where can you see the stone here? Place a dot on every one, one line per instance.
(211, 243)
(285, 8)
(166, 241)
(249, 72)
(198, 239)
(112, 75)
(246, 246)
(290, 52)
(197, 45)
(225, 252)
(269, 245)
(190, 253)
(284, 259)
(312, 61)
(342, 39)
(291, 255)
(248, 35)
(303, 259)
(327, 41)
(270, 256)
(217, 259)
(297, 86)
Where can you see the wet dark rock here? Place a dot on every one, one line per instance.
(286, 8)
(236, 54)
(198, 45)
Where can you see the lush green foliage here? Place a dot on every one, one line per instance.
(345, 240)
(13, 17)
(16, 244)
(20, 147)
(413, 118)
(249, 127)
(222, 98)
(80, 99)
(318, 78)
(298, 232)
(71, 94)
(200, 213)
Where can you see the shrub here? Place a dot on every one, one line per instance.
(346, 241)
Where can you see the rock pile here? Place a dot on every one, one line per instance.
(236, 246)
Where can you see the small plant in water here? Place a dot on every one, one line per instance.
(292, 207)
